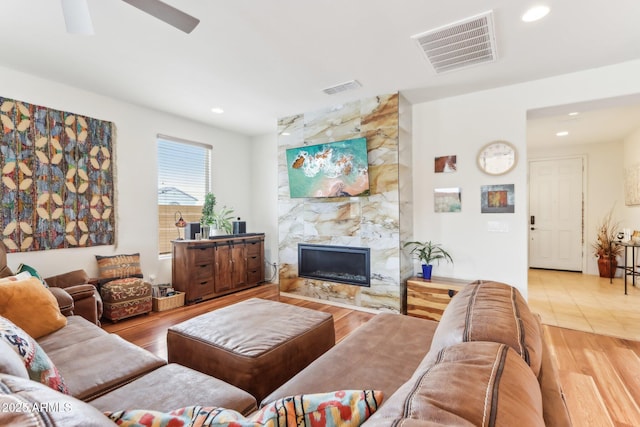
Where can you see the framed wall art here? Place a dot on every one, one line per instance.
(444, 164)
(497, 198)
(632, 185)
(447, 200)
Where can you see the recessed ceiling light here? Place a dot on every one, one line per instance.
(535, 13)
(217, 110)
(574, 113)
(563, 133)
(285, 134)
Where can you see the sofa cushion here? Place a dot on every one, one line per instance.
(491, 311)
(381, 354)
(38, 365)
(19, 396)
(98, 365)
(195, 388)
(345, 407)
(467, 384)
(118, 267)
(31, 306)
(78, 329)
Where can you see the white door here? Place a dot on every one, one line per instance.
(555, 214)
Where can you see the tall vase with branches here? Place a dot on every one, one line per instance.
(605, 246)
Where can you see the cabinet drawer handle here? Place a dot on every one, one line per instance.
(204, 283)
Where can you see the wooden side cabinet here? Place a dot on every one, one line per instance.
(428, 299)
(205, 269)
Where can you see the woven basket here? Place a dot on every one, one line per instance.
(167, 303)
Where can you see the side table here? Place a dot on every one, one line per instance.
(629, 270)
(427, 299)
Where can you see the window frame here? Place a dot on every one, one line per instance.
(169, 213)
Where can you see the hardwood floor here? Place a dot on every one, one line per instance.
(150, 331)
(600, 374)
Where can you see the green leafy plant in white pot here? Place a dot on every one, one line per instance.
(427, 252)
(222, 221)
(208, 214)
(215, 223)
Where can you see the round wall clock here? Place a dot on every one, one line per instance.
(497, 157)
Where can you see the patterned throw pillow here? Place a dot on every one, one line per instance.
(32, 271)
(38, 364)
(20, 276)
(118, 267)
(348, 408)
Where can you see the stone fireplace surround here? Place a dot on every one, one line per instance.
(380, 221)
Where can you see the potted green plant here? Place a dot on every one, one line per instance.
(605, 246)
(222, 221)
(208, 214)
(427, 252)
(215, 223)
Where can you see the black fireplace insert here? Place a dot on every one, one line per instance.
(342, 264)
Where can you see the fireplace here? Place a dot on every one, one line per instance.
(342, 264)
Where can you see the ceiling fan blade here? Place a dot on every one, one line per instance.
(77, 17)
(166, 13)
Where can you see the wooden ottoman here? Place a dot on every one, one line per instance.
(124, 298)
(256, 345)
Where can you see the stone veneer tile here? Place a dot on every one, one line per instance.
(379, 112)
(383, 178)
(382, 138)
(332, 124)
(364, 221)
(339, 218)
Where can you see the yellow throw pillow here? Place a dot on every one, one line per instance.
(31, 306)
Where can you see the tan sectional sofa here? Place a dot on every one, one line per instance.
(111, 374)
(485, 363)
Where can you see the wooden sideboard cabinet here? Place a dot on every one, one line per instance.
(428, 299)
(205, 269)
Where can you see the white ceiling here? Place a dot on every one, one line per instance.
(260, 60)
(599, 121)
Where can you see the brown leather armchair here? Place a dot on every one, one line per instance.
(74, 294)
(86, 298)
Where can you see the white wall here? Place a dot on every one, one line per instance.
(461, 125)
(631, 218)
(136, 185)
(264, 197)
(604, 185)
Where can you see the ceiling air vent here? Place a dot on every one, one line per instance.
(461, 44)
(353, 84)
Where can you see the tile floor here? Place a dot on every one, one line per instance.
(585, 303)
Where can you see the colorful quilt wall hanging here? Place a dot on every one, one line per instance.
(57, 178)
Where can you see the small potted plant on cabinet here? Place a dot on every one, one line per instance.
(427, 252)
(605, 247)
(222, 221)
(207, 219)
(215, 223)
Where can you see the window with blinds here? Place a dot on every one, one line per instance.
(184, 177)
